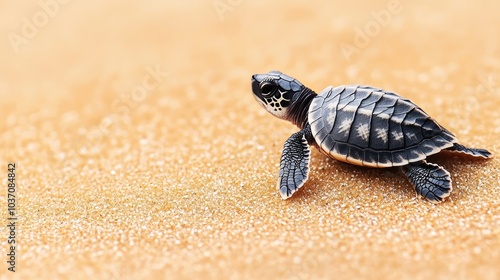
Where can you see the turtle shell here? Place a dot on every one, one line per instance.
(368, 126)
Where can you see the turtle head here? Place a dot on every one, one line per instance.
(277, 93)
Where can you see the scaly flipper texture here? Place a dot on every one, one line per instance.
(471, 151)
(294, 166)
(430, 180)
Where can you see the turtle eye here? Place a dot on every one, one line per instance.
(267, 88)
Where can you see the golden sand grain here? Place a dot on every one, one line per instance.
(178, 182)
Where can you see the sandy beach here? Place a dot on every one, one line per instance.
(141, 153)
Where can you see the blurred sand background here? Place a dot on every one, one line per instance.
(142, 155)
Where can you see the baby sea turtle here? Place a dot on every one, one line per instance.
(360, 125)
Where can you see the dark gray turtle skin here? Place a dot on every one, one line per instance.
(360, 125)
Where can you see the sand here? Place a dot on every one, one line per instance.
(141, 153)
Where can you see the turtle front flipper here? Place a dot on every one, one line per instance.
(294, 165)
(430, 180)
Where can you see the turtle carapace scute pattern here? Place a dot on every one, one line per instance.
(360, 125)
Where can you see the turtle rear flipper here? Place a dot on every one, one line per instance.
(430, 180)
(471, 151)
(294, 166)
